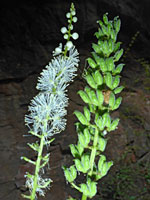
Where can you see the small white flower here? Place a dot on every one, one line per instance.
(75, 36)
(73, 12)
(69, 44)
(74, 19)
(63, 30)
(65, 36)
(58, 50)
(68, 15)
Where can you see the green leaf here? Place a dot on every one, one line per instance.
(81, 118)
(103, 66)
(91, 62)
(84, 96)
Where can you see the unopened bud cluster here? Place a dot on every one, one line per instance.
(95, 122)
(67, 31)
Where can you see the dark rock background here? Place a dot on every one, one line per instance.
(29, 32)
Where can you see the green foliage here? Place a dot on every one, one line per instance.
(103, 79)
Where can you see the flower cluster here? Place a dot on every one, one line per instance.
(48, 109)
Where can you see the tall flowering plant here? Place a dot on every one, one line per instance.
(48, 109)
(103, 79)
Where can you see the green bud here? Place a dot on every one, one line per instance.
(87, 113)
(116, 81)
(117, 25)
(110, 63)
(109, 27)
(100, 162)
(91, 81)
(87, 136)
(106, 119)
(118, 55)
(74, 151)
(70, 174)
(108, 80)
(92, 188)
(105, 48)
(81, 118)
(112, 100)
(99, 123)
(98, 77)
(118, 89)
(118, 69)
(113, 35)
(80, 148)
(84, 96)
(81, 139)
(96, 58)
(78, 165)
(102, 144)
(117, 103)
(103, 66)
(117, 46)
(114, 125)
(85, 160)
(84, 189)
(104, 29)
(100, 97)
(91, 62)
(93, 98)
(96, 48)
(105, 18)
(106, 167)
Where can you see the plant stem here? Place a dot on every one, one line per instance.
(37, 168)
(93, 153)
(84, 197)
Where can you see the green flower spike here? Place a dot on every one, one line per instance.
(103, 79)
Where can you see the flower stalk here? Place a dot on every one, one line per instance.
(48, 109)
(94, 123)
